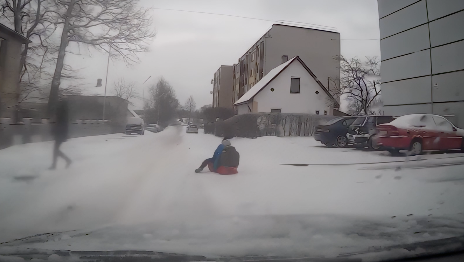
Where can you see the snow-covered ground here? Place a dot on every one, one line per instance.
(141, 193)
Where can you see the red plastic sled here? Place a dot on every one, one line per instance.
(223, 170)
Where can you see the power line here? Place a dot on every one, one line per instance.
(248, 17)
(208, 13)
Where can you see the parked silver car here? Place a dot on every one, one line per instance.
(192, 129)
(153, 128)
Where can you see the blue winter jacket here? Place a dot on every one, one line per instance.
(217, 156)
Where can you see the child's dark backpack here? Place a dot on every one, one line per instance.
(229, 157)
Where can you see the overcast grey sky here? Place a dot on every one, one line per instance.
(190, 47)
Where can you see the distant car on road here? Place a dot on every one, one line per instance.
(192, 129)
(333, 132)
(363, 130)
(419, 132)
(153, 128)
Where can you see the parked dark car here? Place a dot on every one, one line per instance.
(333, 133)
(363, 130)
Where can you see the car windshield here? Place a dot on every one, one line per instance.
(333, 121)
(246, 130)
(359, 121)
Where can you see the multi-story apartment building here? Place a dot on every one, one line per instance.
(222, 87)
(318, 48)
(422, 44)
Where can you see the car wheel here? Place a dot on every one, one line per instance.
(342, 141)
(415, 148)
(330, 144)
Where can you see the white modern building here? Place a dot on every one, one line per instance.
(422, 44)
(289, 88)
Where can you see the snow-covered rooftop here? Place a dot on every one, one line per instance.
(264, 82)
(273, 74)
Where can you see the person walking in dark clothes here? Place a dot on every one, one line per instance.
(60, 133)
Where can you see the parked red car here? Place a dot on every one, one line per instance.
(419, 132)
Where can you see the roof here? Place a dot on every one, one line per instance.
(310, 26)
(276, 72)
(13, 33)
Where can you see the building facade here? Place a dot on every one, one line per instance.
(318, 48)
(222, 87)
(422, 45)
(289, 88)
(11, 44)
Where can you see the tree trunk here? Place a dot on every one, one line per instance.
(22, 61)
(54, 90)
(17, 17)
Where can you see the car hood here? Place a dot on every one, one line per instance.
(328, 237)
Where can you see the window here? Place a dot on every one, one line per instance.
(443, 124)
(276, 110)
(384, 120)
(359, 121)
(295, 85)
(317, 112)
(349, 121)
(325, 112)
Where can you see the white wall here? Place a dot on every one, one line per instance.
(243, 109)
(307, 101)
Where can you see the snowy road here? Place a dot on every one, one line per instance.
(141, 192)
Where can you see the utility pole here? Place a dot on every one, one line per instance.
(143, 98)
(106, 82)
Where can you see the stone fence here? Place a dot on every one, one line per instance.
(30, 131)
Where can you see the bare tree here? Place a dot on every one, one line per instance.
(125, 90)
(359, 83)
(162, 105)
(190, 106)
(34, 19)
(117, 27)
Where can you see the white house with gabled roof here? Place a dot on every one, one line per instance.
(289, 88)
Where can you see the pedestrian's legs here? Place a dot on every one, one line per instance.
(57, 153)
(203, 165)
